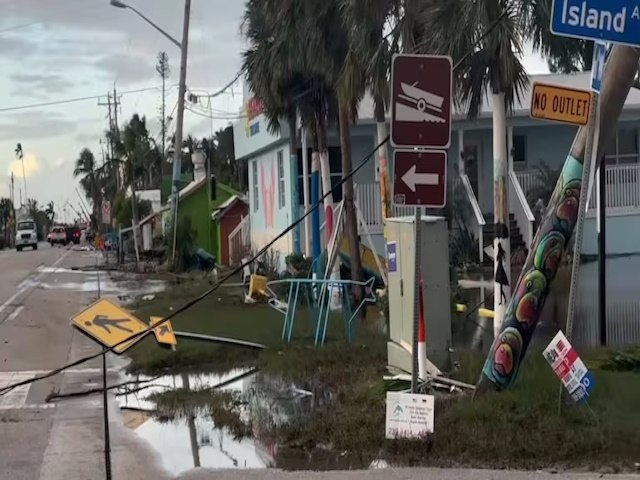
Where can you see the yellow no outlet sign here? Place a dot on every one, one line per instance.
(560, 104)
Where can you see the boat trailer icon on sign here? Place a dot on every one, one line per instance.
(422, 102)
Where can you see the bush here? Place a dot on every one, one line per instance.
(185, 241)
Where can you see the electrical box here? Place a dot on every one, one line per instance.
(434, 266)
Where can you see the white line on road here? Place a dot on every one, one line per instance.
(22, 288)
(15, 314)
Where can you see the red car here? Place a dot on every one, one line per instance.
(73, 235)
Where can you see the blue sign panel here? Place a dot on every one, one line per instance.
(597, 67)
(392, 257)
(615, 21)
(587, 382)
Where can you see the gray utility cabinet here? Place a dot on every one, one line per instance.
(434, 265)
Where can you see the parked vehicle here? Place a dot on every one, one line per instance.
(57, 235)
(73, 235)
(26, 234)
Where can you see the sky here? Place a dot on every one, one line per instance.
(55, 50)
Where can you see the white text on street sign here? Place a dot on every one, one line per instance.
(616, 21)
(597, 66)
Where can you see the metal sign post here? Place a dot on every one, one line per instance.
(601, 193)
(421, 88)
(105, 402)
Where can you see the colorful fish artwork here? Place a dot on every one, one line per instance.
(526, 304)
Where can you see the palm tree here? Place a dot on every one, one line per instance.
(6, 214)
(86, 168)
(458, 27)
(20, 155)
(552, 238)
(50, 212)
(299, 60)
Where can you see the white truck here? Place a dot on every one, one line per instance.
(26, 234)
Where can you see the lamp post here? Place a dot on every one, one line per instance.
(183, 46)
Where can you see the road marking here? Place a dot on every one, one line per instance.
(15, 314)
(22, 288)
(16, 398)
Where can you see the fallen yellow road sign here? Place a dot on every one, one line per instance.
(108, 324)
(164, 333)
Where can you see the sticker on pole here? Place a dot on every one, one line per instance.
(409, 415)
(569, 368)
(392, 257)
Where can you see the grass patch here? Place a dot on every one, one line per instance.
(519, 428)
(224, 314)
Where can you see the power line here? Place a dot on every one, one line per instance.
(71, 100)
(237, 270)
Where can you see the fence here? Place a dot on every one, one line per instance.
(622, 188)
(239, 241)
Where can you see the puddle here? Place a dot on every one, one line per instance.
(125, 291)
(190, 435)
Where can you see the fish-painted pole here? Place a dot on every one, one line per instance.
(315, 216)
(530, 293)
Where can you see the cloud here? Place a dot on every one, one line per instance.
(37, 86)
(34, 125)
(48, 82)
(31, 166)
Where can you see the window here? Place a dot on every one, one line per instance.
(254, 174)
(281, 180)
(623, 148)
(519, 151)
(26, 226)
(335, 167)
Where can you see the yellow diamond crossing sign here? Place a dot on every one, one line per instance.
(108, 324)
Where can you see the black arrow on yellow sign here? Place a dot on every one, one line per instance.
(106, 322)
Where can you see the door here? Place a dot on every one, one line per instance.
(471, 155)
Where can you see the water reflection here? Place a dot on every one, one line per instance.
(195, 435)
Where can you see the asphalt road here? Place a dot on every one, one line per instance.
(39, 292)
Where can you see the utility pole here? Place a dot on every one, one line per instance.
(111, 153)
(13, 192)
(116, 130)
(179, 123)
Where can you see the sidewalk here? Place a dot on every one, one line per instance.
(399, 474)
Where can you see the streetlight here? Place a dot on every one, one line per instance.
(181, 93)
(119, 4)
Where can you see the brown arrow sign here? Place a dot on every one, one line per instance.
(420, 178)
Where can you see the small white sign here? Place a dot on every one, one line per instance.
(409, 415)
(569, 368)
